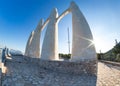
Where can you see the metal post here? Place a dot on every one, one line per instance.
(68, 42)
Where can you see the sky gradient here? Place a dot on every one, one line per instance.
(19, 17)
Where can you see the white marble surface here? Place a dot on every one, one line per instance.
(50, 43)
(33, 44)
(82, 45)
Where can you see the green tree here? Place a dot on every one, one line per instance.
(65, 56)
(116, 49)
(118, 58)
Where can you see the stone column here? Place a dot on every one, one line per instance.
(33, 44)
(50, 43)
(82, 45)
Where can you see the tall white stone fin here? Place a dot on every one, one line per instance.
(82, 45)
(50, 43)
(33, 44)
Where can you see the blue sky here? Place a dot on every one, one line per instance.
(19, 17)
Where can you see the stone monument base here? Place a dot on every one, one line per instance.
(81, 67)
(27, 71)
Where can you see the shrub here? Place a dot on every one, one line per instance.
(65, 56)
(118, 58)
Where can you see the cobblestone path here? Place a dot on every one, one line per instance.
(108, 75)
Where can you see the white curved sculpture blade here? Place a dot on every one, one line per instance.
(82, 45)
(50, 43)
(33, 44)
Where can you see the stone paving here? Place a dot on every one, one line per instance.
(26, 75)
(108, 75)
(31, 74)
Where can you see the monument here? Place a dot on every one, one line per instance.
(35, 72)
(82, 40)
(33, 44)
(50, 43)
(82, 45)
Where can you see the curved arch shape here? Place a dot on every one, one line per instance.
(50, 43)
(63, 14)
(45, 23)
(33, 43)
(82, 45)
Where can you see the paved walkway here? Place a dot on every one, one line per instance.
(108, 75)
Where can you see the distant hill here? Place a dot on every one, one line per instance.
(109, 55)
(15, 52)
(11, 52)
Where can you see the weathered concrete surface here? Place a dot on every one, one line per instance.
(24, 71)
(50, 43)
(33, 44)
(82, 45)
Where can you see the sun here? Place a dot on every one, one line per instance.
(100, 45)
